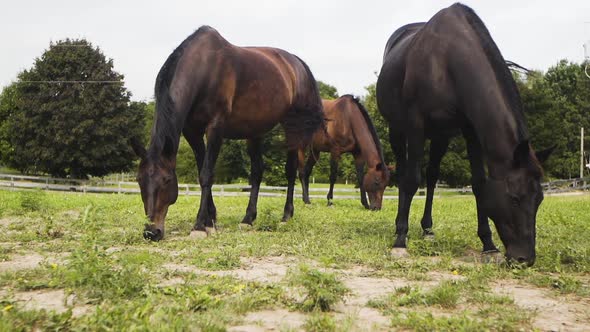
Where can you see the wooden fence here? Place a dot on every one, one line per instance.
(18, 182)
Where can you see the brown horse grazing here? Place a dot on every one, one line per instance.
(208, 86)
(348, 129)
(446, 77)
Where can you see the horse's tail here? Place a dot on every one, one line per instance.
(306, 115)
(516, 67)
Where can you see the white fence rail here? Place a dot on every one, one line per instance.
(125, 187)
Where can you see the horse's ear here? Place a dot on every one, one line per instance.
(543, 155)
(168, 149)
(521, 154)
(138, 148)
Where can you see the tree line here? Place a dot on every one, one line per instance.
(71, 115)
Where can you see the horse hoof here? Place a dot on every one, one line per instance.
(245, 227)
(198, 234)
(210, 231)
(492, 257)
(399, 253)
(428, 234)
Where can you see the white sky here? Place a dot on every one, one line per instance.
(342, 41)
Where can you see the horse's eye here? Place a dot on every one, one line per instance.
(167, 179)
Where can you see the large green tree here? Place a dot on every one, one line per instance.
(327, 91)
(72, 114)
(557, 104)
(8, 101)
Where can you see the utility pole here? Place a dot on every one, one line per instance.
(582, 152)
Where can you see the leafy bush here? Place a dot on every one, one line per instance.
(321, 290)
(32, 200)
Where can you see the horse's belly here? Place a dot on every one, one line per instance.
(444, 122)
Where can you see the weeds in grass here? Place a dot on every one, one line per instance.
(445, 295)
(267, 221)
(32, 200)
(320, 322)
(28, 279)
(321, 290)
(13, 318)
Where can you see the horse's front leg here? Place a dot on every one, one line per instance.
(409, 180)
(333, 177)
(291, 172)
(195, 140)
(359, 164)
(207, 207)
(438, 148)
(478, 180)
(256, 170)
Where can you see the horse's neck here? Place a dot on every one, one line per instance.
(497, 129)
(364, 140)
(165, 129)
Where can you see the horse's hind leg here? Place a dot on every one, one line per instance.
(438, 148)
(256, 170)
(306, 172)
(291, 172)
(359, 164)
(478, 180)
(333, 177)
(204, 217)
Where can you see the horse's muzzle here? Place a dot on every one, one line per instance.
(152, 233)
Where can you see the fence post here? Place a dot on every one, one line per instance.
(187, 190)
(119, 185)
(221, 191)
(12, 182)
(46, 183)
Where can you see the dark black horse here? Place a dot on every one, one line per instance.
(447, 77)
(208, 86)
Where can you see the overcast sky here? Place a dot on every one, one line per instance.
(342, 41)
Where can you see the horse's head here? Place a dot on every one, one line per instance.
(374, 183)
(512, 203)
(159, 189)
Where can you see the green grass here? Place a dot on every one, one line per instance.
(321, 290)
(102, 259)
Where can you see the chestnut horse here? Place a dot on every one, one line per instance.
(208, 86)
(349, 129)
(447, 77)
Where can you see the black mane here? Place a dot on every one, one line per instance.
(165, 120)
(369, 124)
(499, 66)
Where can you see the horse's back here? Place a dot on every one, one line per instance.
(417, 74)
(339, 114)
(400, 35)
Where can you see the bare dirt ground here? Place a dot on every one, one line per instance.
(551, 312)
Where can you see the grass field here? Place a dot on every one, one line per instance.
(79, 262)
